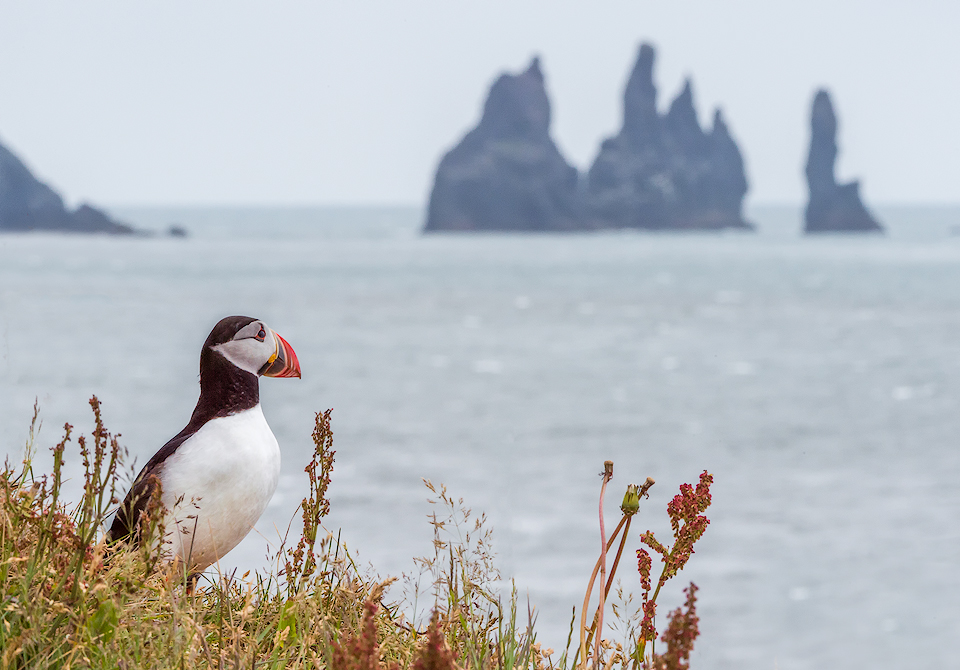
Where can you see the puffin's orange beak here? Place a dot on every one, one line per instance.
(284, 362)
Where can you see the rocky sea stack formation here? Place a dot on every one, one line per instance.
(832, 207)
(27, 204)
(659, 173)
(507, 173)
(664, 172)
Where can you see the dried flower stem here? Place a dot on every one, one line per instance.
(625, 525)
(584, 640)
(607, 475)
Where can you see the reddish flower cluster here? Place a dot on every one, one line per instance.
(302, 562)
(648, 628)
(688, 525)
(644, 563)
(687, 522)
(359, 652)
(681, 633)
(435, 654)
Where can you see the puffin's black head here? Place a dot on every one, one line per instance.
(250, 345)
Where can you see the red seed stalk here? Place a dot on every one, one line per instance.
(688, 524)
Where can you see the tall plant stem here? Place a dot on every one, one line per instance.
(601, 564)
(613, 569)
(607, 476)
(586, 599)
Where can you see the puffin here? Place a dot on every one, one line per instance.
(217, 475)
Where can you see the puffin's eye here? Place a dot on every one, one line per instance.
(262, 334)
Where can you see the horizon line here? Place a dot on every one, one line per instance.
(411, 205)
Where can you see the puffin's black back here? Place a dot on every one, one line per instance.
(225, 389)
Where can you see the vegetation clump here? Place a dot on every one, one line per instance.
(71, 600)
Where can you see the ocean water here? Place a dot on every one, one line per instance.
(817, 379)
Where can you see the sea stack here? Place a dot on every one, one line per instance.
(832, 207)
(28, 204)
(664, 172)
(507, 174)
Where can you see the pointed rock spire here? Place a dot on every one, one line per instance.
(823, 146)
(665, 172)
(507, 173)
(517, 105)
(641, 123)
(832, 207)
(682, 125)
(729, 181)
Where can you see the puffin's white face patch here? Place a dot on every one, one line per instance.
(251, 348)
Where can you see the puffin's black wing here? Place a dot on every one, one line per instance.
(125, 524)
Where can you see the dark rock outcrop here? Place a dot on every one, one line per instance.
(665, 172)
(832, 207)
(507, 173)
(28, 204)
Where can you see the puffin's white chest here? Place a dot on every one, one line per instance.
(217, 484)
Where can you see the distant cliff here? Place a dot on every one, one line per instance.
(659, 172)
(27, 204)
(666, 172)
(507, 173)
(832, 207)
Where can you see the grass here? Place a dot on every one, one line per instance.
(69, 600)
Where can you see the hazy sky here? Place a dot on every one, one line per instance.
(216, 102)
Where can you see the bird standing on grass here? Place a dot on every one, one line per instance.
(218, 474)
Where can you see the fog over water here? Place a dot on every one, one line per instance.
(818, 379)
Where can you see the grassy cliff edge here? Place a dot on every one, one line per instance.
(70, 600)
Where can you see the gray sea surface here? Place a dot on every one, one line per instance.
(818, 379)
